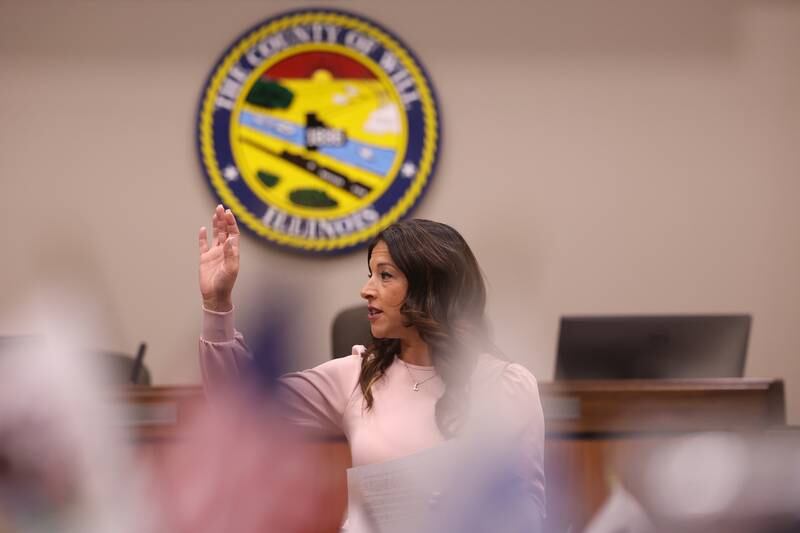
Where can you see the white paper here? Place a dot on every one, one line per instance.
(399, 495)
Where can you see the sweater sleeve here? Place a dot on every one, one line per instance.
(313, 399)
(223, 352)
(525, 406)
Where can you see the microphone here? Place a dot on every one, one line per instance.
(138, 364)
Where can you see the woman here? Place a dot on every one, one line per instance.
(422, 380)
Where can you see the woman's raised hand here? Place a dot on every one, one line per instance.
(219, 261)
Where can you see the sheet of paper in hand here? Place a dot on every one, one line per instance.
(401, 495)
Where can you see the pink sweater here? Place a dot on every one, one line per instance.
(327, 399)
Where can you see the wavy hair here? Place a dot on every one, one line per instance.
(445, 302)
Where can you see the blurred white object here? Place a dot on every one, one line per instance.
(699, 476)
(65, 466)
(621, 513)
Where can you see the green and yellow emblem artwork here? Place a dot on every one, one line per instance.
(318, 128)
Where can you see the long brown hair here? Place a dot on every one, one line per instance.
(445, 302)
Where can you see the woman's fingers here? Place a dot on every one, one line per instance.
(231, 253)
(224, 224)
(214, 227)
(230, 223)
(220, 233)
(203, 240)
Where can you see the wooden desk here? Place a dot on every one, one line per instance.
(588, 424)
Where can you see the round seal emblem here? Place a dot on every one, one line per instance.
(318, 129)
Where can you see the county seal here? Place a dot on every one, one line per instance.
(318, 128)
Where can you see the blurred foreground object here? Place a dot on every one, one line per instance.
(238, 467)
(621, 513)
(63, 459)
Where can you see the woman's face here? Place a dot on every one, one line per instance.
(385, 291)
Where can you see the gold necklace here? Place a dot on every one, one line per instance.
(413, 379)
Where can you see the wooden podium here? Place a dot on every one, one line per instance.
(589, 425)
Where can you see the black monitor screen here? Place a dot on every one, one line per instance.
(652, 347)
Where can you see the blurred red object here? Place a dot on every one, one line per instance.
(239, 468)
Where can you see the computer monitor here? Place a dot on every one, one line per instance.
(652, 347)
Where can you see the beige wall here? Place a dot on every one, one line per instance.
(600, 157)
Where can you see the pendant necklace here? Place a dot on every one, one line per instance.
(414, 380)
